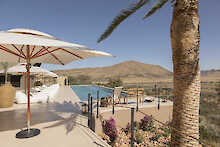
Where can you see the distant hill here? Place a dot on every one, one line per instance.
(133, 72)
(210, 75)
(129, 72)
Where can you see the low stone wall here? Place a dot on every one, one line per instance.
(122, 117)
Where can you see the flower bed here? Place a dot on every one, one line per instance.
(146, 133)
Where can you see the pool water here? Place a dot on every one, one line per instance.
(82, 91)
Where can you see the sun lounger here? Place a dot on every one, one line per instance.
(134, 93)
(116, 95)
(148, 99)
(38, 97)
(104, 102)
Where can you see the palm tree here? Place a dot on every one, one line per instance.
(5, 67)
(185, 41)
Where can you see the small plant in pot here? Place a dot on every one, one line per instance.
(7, 92)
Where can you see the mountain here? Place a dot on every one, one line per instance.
(129, 72)
(133, 72)
(210, 75)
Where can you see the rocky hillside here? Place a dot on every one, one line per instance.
(210, 75)
(129, 71)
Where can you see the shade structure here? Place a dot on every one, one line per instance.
(21, 68)
(30, 46)
(41, 49)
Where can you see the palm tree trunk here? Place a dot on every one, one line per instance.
(185, 40)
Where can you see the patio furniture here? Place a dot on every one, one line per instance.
(116, 96)
(104, 102)
(148, 99)
(84, 108)
(134, 93)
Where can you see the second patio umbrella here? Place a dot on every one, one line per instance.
(21, 69)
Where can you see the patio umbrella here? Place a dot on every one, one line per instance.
(30, 46)
(21, 69)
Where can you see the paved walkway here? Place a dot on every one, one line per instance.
(60, 122)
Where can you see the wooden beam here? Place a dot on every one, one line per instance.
(10, 51)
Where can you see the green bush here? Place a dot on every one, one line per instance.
(209, 134)
(138, 137)
(147, 124)
(38, 83)
(166, 131)
(156, 137)
(128, 127)
(79, 80)
(114, 82)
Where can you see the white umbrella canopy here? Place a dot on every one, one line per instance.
(41, 49)
(21, 68)
(30, 46)
(29, 31)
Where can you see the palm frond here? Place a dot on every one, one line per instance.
(121, 17)
(156, 7)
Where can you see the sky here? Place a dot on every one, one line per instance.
(83, 21)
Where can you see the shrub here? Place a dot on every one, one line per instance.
(209, 134)
(147, 124)
(128, 127)
(79, 80)
(166, 130)
(114, 82)
(110, 129)
(138, 137)
(38, 83)
(156, 137)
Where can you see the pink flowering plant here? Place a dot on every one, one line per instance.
(128, 127)
(147, 124)
(109, 128)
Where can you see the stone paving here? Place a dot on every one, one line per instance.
(60, 122)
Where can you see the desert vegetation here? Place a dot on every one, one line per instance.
(146, 133)
(209, 106)
(79, 80)
(210, 113)
(113, 82)
(209, 98)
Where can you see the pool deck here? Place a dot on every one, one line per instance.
(132, 103)
(60, 122)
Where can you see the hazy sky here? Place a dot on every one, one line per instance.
(83, 21)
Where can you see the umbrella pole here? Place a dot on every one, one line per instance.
(28, 86)
(29, 132)
(25, 83)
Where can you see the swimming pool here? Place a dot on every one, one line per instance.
(82, 91)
